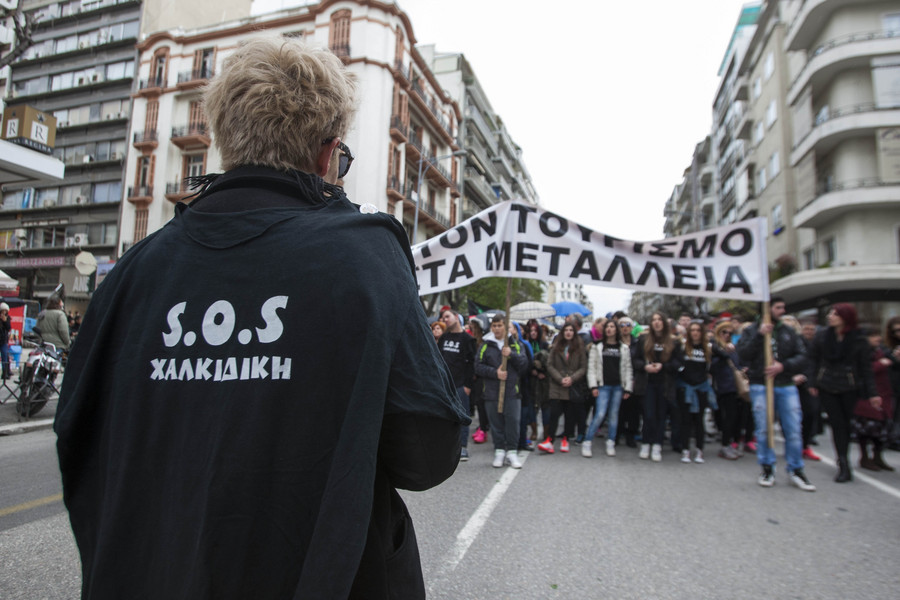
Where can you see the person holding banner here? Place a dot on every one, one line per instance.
(567, 369)
(789, 359)
(488, 366)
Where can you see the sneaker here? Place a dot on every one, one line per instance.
(767, 477)
(750, 446)
(463, 455)
(728, 453)
(513, 459)
(808, 453)
(564, 445)
(546, 446)
(586, 450)
(529, 446)
(645, 451)
(798, 478)
(698, 458)
(610, 448)
(579, 439)
(737, 450)
(479, 436)
(629, 441)
(499, 456)
(685, 456)
(656, 453)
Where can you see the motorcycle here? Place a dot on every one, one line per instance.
(38, 377)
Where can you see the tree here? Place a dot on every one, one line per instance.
(23, 24)
(491, 291)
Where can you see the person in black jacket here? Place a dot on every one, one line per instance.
(458, 349)
(842, 367)
(658, 354)
(789, 359)
(5, 328)
(505, 423)
(216, 342)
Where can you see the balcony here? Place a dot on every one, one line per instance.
(429, 216)
(399, 130)
(856, 283)
(862, 120)
(428, 104)
(844, 53)
(396, 188)
(177, 191)
(476, 118)
(834, 200)
(341, 50)
(404, 71)
(479, 187)
(195, 135)
(146, 141)
(748, 209)
(810, 21)
(151, 87)
(188, 80)
(140, 195)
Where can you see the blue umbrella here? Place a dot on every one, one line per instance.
(564, 309)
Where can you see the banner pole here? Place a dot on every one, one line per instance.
(770, 381)
(504, 360)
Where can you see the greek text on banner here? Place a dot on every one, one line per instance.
(516, 239)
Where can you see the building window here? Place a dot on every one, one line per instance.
(761, 180)
(339, 33)
(774, 165)
(151, 116)
(829, 252)
(140, 224)
(809, 259)
(757, 88)
(194, 165)
(777, 219)
(769, 66)
(204, 63)
(107, 192)
(771, 113)
(891, 23)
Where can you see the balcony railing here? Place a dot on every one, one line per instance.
(189, 130)
(153, 82)
(195, 75)
(429, 209)
(432, 106)
(832, 114)
(142, 137)
(405, 71)
(140, 191)
(853, 38)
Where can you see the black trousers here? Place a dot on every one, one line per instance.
(570, 411)
(729, 411)
(630, 417)
(812, 410)
(840, 410)
(691, 422)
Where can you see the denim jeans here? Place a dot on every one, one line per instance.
(463, 429)
(787, 406)
(609, 396)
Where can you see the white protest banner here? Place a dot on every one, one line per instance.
(516, 239)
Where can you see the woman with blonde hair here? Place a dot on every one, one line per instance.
(724, 361)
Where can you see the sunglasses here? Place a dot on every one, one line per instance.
(345, 160)
(624, 325)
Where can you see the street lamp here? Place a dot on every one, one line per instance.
(422, 160)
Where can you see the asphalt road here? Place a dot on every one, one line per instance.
(565, 526)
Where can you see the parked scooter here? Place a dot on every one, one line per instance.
(38, 376)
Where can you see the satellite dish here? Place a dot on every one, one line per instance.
(85, 263)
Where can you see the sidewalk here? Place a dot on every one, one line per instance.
(11, 423)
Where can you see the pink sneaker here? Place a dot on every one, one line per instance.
(479, 436)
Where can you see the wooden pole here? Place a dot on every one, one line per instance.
(770, 381)
(505, 345)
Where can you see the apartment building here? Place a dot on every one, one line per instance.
(845, 108)
(79, 69)
(494, 168)
(407, 125)
(806, 132)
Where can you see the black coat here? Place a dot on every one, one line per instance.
(788, 349)
(842, 366)
(218, 436)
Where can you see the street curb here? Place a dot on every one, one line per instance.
(25, 426)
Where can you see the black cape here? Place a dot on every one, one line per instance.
(246, 390)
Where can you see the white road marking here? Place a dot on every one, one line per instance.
(467, 535)
(866, 479)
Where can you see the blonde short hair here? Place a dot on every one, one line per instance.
(276, 101)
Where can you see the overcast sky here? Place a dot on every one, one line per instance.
(606, 99)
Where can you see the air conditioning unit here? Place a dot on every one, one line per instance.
(87, 158)
(63, 124)
(79, 200)
(81, 81)
(95, 77)
(21, 233)
(108, 116)
(114, 156)
(81, 45)
(80, 239)
(70, 242)
(120, 115)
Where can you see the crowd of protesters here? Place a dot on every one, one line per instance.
(665, 383)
